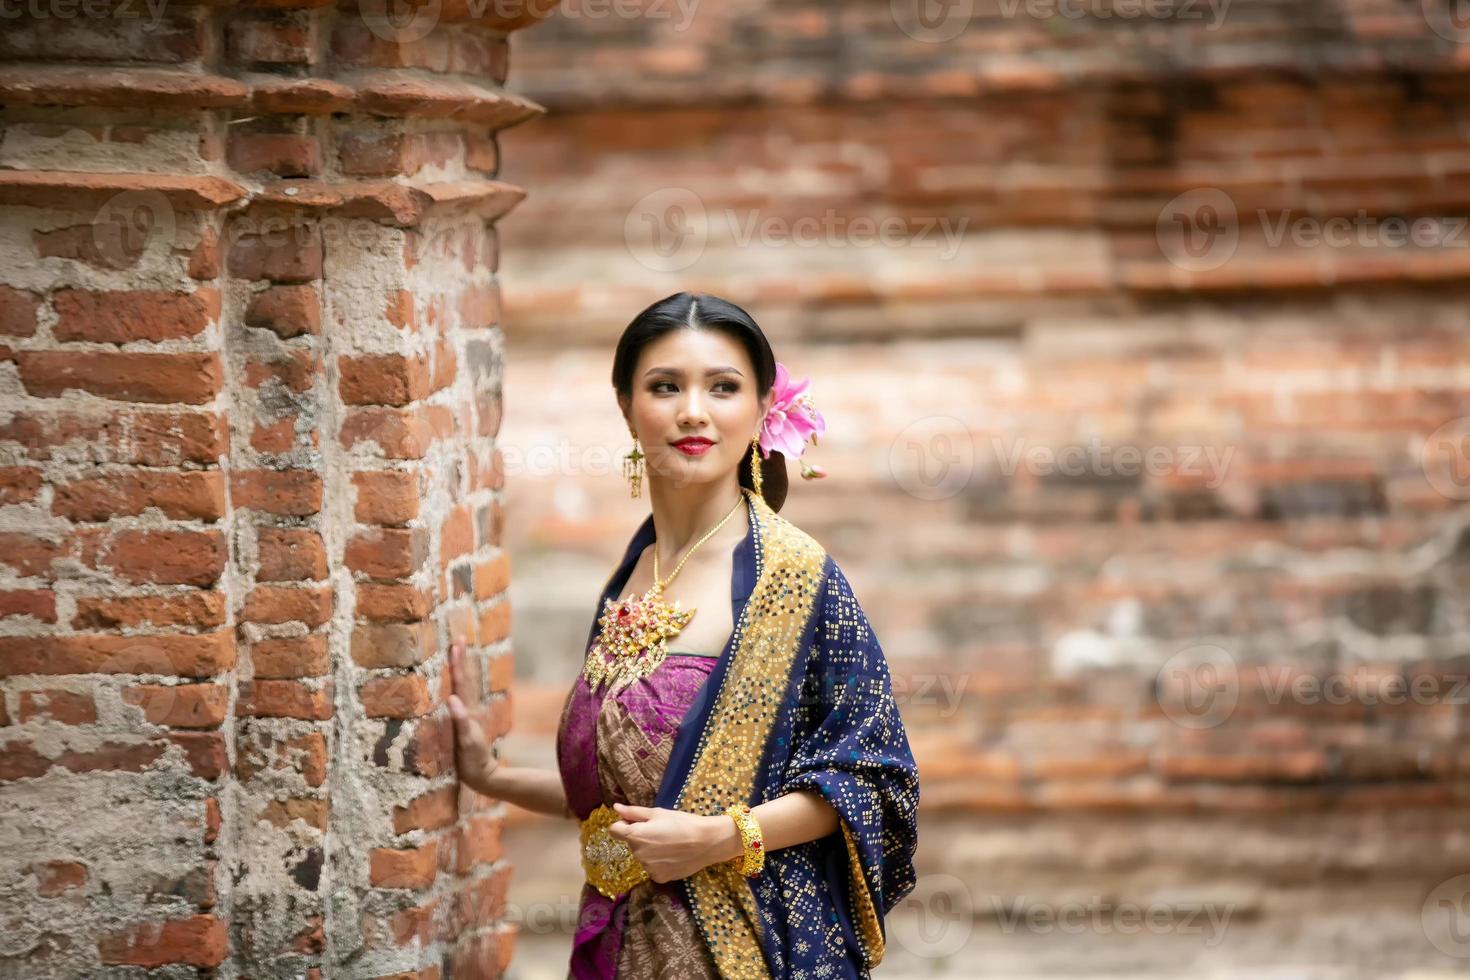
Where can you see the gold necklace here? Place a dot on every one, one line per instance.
(634, 634)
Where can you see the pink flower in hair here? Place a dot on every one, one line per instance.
(792, 420)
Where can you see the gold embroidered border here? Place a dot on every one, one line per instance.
(870, 929)
(789, 564)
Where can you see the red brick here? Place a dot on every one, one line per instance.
(494, 623)
(55, 878)
(386, 496)
(66, 707)
(283, 604)
(204, 257)
(206, 753)
(112, 757)
(139, 437)
(431, 750)
(305, 754)
(124, 376)
(172, 655)
(270, 42)
(285, 253)
(168, 557)
(28, 554)
(287, 311)
(297, 370)
(180, 705)
(19, 484)
(393, 644)
(192, 608)
(310, 810)
(200, 941)
(83, 243)
(290, 555)
(394, 602)
(293, 493)
(477, 842)
(211, 820)
(290, 657)
(383, 379)
(457, 535)
(396, 697)
(387, 553)
(122, 316)
(18, 311)
(188, 495)
(282, 154)
(413, 867)
(284, 699)
(277, 437)
(492, 577)
(398, 434)
(39, 604)
(430, 811)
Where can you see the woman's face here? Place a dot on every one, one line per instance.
(694, 407)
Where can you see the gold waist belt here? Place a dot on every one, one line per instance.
(610, 865)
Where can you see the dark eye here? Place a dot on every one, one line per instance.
(656, 384)
(729, 385)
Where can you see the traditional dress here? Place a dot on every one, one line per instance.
(800, 698)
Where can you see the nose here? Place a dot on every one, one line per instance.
(692, 413)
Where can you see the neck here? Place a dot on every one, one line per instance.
(681, 516)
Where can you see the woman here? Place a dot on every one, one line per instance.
(746, 796)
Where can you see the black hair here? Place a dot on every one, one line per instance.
(701, 311)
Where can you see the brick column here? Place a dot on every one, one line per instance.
(250, 360)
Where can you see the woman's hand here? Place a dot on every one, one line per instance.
(473, 756)
(673, 844)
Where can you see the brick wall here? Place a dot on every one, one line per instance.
(249, 484)
(1046, 623)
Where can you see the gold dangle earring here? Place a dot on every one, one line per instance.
(633, 468)
(755, 464)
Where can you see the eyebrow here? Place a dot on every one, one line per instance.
(727, 369)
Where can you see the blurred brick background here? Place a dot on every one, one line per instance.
(1220, 682)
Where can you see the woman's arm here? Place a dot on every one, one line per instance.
(795, 818)
(675, 843)
(535, 789)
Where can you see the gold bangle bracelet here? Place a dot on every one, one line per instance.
(752, 856)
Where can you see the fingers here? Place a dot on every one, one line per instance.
(456, 665)
(633, 813)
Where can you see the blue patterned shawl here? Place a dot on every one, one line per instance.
(800, 698)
